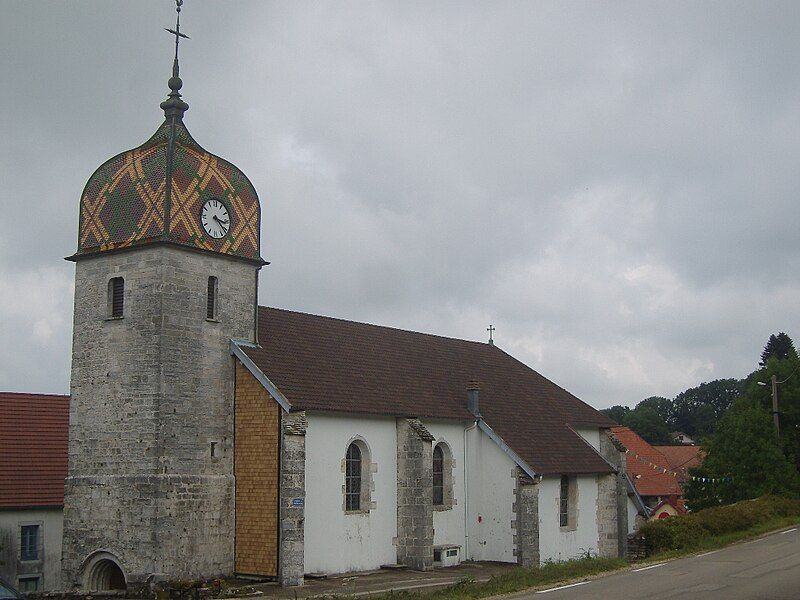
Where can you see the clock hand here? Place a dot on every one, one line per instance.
(220, 221)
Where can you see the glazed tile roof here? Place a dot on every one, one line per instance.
(130, 200)
(33, 449)
(682, 458)
(641, 457)
(326, 364)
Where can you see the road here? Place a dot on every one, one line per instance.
(767, 568)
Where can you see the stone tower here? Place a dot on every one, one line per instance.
(166, 274)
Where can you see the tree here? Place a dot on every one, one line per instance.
(689, 417)
(787, 371)
(616, 413)
(745, 457)
(645, 421)
(778, 346)
(663, 406)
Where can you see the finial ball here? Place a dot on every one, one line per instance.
(175, 83)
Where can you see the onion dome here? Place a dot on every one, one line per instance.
(156, 193)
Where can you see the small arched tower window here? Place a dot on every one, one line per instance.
(352, 478)
(211, 299)
(116, 297)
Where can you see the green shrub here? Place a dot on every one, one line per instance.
(688, 531)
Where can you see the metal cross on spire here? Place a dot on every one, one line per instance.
(491, 329)
(178, 35)
(174, 107)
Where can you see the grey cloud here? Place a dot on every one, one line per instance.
(614, 186)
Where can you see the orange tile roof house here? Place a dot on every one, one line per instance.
(646, 466)
(681, 459)
(33, 465)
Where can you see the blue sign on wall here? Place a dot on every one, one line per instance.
(298, 501)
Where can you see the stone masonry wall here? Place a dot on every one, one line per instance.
(292, 501)
(151, 393)
(608, 536)
(612, 496)
(257, 450)
(527, 520)
(414, 495)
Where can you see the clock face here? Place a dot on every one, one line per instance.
(215, 218)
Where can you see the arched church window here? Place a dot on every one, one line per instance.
(563, 504)
(211, 299)
(358, 485)
(568, 503)
(443, 477)
(116, 297)
(438, 476)
(352, 478)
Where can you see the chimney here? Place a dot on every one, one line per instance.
(473, 403)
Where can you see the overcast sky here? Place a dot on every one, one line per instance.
(614, 186)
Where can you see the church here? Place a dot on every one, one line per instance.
(210, 436)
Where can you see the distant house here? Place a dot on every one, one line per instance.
(33, 465)
(652, 475)
(681, 438)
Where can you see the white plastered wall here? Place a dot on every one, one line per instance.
(336, 542)
(633, 512)
(557, 543)
(449, 525)
(491, 495)
(591, 435)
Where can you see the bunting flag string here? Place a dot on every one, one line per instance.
(675, 474)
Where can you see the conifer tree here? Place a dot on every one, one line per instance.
(778, 346)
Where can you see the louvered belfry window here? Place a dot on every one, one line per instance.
(116, 296)
(352, 479)
(211, 303)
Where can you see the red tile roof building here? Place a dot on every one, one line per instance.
(646, 466)
(33, 449)
(681, 459)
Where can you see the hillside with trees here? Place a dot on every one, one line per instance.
(733, 419)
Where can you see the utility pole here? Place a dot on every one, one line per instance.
(775, 413)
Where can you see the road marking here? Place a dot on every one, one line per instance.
(650, 567)
(563, 587)
(788, 531)
(707, 553)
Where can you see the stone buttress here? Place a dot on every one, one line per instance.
(414, 495)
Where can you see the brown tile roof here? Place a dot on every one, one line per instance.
(33, 449)
(640, 463)
(327, 364)
(682, 458)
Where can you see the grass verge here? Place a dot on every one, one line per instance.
(717, 526)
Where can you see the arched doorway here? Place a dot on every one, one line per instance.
(102, 573)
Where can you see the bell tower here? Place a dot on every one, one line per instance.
(166, 274)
